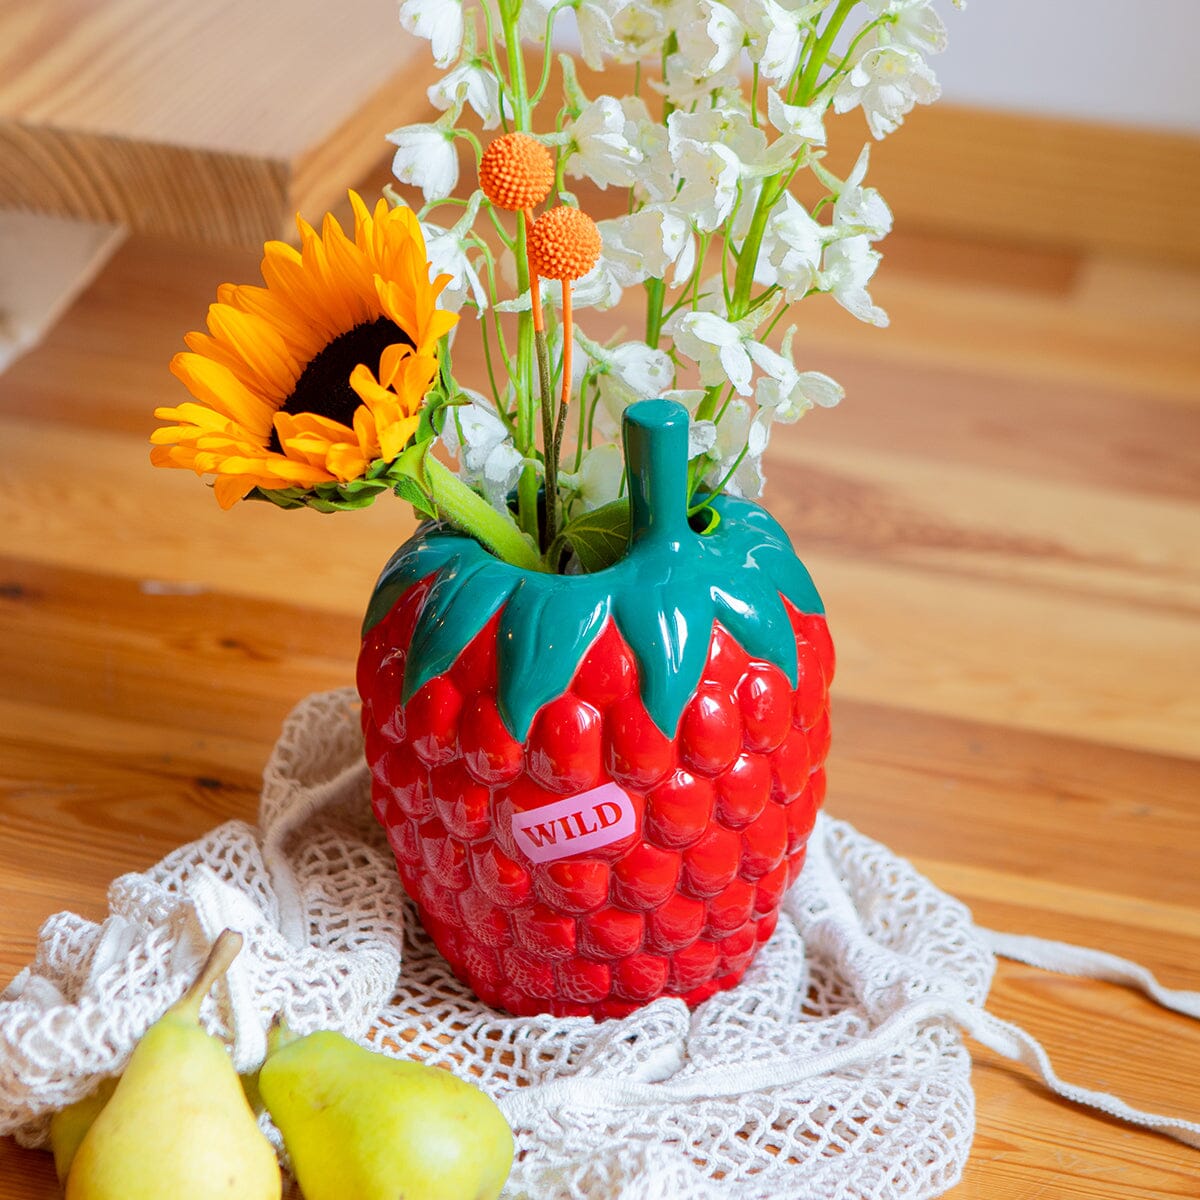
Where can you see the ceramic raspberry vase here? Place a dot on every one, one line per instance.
(599, 786)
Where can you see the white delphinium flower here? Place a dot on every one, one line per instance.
(598, 480)
(471, 83)
(711, 173)
(647, 244)
(776, 34)
(790, 255)
(848, 267)
(602, 146)
(641, 27)
(425, 157)
(653, 173)
(627, 373)
(725, 351)
(709, 36)
(716, 346)
(447, 250)
(479, 439)
(805, 122)
(715, 150)
(862, 210)
(788, 394)
(912, 23)
(599, 288)
(887, 81)
(534, 14)
(439, 22)
(597, 40)
(726, 127)
(686, 90)
(702, 437)
(740, 434)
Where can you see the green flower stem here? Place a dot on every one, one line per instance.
(463, 508)
(743, 280)
(806, 87)
(655, 290)
(527, 486)
(548, 41)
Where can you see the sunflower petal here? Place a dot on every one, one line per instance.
(259, 345)
(304, 340)
(347, 461)
(309, 422)
(215, 385)
(229, 489)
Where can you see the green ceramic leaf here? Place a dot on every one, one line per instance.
(465, 597)
(664, 593)
(547, 662)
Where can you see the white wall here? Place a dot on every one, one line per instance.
(1134, 62)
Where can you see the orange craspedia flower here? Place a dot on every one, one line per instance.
(564, 243)
(516, 172)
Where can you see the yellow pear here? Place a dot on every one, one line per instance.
(178, 1125)
(69, 1125)
(359, 1124)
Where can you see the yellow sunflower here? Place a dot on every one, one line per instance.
(309, 380)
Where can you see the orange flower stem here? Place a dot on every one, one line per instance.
(535, 286)
(549, 458)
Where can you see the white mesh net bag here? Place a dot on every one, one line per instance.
(836, 1069)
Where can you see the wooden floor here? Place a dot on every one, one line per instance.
(1003, 517)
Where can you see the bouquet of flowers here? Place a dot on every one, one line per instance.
(333, 382)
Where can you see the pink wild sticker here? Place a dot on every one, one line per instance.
(584, 822)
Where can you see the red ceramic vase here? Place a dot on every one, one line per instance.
(599, 787)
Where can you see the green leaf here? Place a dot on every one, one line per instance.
(599, 537)
(408, 489)
(281, 497)
(410, 464)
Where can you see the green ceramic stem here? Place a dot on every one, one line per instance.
(656, 459)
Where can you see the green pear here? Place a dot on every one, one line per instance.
(358, 1123)
(178, 1124)
(69, 1125)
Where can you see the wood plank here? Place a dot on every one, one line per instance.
(1039, 180)
(948, 790)
(211, 121)
(1003, 653)
(1127, 440)
(1077, 540)
(228, 657)
(980, 328)
(102, 484)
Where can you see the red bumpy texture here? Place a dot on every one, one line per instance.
(677, 908)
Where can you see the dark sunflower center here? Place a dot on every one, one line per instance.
(324, 387)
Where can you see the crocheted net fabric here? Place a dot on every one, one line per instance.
(780, 1088)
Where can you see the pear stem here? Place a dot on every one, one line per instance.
(224, 950)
